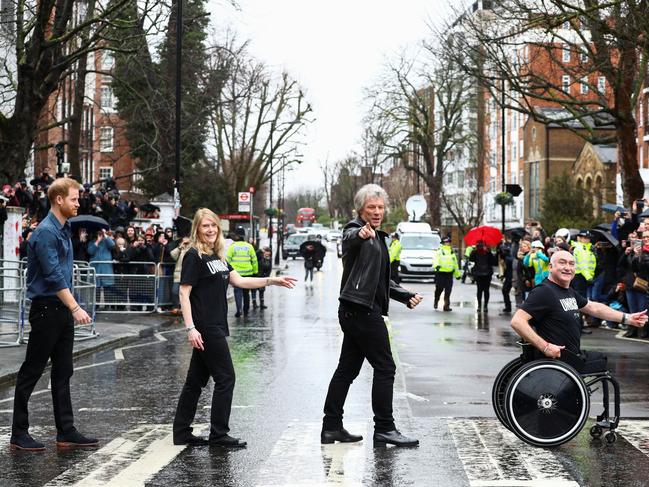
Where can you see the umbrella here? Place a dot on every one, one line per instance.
(183, 226)
(89, 222)
(645, 214)
(518, 232)
(603, 226)
(604, 236)
(611, 208)
(148, 207)
(490, 235)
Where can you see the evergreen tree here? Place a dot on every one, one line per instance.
(565, 205)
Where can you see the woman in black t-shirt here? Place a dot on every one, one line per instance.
(203, 285)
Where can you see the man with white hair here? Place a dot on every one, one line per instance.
(366, 289)
(550, 321)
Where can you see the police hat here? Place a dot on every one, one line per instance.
(585, 233)
(446, 239)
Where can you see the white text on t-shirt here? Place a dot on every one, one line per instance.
(217, 266)
(568, 304)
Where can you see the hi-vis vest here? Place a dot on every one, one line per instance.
(395, 250)
(585, 260)
(242, 258)
(445, 259)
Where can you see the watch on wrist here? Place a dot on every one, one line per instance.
(190, 328)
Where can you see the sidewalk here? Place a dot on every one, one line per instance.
(113, 330)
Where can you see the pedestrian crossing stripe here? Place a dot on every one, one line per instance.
(490, 455)
(493, 456)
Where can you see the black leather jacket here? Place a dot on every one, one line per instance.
(361, 268)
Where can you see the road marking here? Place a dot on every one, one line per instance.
(298, 458)
(90, 366)
(636, 433)
(119, 352)
(493, 456)
(127, 461)
(102, 410)
(11, 399)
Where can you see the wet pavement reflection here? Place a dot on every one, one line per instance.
(284, 357)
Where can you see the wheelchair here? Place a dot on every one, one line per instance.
(546, 402)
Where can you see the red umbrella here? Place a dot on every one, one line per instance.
(490, 235)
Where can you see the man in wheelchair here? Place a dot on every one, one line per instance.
(550, 318)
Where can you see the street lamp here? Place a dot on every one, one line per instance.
(502, 155)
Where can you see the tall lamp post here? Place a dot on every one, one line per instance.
(502, 155)
(179, 47)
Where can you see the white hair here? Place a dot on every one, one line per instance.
(369, 191)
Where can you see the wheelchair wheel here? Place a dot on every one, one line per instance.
(500, 387)
(546, 403)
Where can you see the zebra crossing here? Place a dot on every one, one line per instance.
(488, 455)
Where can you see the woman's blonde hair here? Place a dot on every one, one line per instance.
(203, 247)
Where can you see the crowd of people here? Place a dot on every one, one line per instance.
(612, 266)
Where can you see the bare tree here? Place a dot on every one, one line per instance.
(44, 41)
(256, 120)
(329, 175)
(424, 106)
(587, 57)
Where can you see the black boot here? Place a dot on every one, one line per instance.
(254, 304)
(341, 435)
(262, 305)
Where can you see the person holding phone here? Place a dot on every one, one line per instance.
(640, 268)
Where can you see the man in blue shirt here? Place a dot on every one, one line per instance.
(52, 315)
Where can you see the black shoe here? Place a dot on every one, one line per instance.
(341, 435)
(226, 441)
(75, 440)
(435, 305)
(25, 442)
(631, 333)
(191, 440)
(506, 310)
(393, 438)
(263, 306)
(586, 331)
(446, 308)
(245, 313)
(237, 314)
(485, 310)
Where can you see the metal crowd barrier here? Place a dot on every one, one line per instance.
(83, 284)
(11, 290)
(133, 287)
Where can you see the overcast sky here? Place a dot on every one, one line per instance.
(334, 48)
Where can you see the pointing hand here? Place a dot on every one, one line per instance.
(367, 232)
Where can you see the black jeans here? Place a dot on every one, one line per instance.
(214, 361)
(365, 337)
(483, 283)
(51, 337)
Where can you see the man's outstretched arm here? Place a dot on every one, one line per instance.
(603, 312)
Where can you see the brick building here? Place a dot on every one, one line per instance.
(104, 150)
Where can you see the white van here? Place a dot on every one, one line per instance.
(413, 227)
(418, 245)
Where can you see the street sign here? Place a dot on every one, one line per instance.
(513, 189)
(244, 201)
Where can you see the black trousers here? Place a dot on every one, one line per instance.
(51, 337)
(507, 287)
(365, 337)
(242, 299)
(214, 361)
(443, 284)
(483, 283)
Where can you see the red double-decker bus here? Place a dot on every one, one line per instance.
(305, 217)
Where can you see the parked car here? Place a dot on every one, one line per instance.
(291, 247)
(334, 236)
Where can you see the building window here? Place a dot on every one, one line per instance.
(106, 100)
(514, 147)
(583, 88)
(106, 136)
(107, 60)
(521, 149)
(105, 172)
(565, 82)
(584, 55)
(601, 84)
(566, 54)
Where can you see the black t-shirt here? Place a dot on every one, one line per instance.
(381, 295)
(555, 314)
(209, 277)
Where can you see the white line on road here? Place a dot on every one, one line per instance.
(11, 399)
(102, 410)
(119, 352)
(493, 457)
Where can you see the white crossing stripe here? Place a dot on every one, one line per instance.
(636, 433)
(493, 456)
(127, 461)
(298, 458)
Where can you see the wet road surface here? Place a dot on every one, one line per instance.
(284, 358)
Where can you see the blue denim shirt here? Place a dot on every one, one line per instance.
(49, 259)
